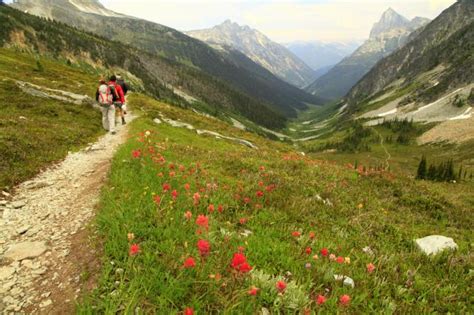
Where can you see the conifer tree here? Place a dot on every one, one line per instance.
(422, 172)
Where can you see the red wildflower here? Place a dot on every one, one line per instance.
(260, 183)
(321, 299)
(296, 234)
(238, 260)
(171, 166)
(204, 247)
(172, 174)
(134, 249)
(308, 250)
(281, 286)
(187, 186)
(211, 208)
(166, 187)
(136, 154)
(189, 263)
(370, 267)
(203, 221)
(253, 291)
(188, 311)
(324, 252)
(340, 260)
(270, 188)
(247, 200)
(312, 235)
(259, 194)
(197, 198)
(157, 199)
(182, 168)
(188, 215)
(159, 174)
(220, 208)
(262, 168)
(243, 221)
(345, 299)
(245, 267)
(174, 194)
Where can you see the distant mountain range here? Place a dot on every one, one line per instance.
(390, 33)
(229, 66)
(431, 78)
(320, 55)
(258, 47)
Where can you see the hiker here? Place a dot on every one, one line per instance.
(124, 86)
(105, 99)
(118, 96)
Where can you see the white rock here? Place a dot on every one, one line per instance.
(349, 282)
(157, 121)
(25, 250)
(434, 244)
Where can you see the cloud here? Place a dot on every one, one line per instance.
(281, 20)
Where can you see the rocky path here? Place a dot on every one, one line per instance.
(45, 260)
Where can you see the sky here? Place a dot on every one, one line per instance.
(281, 20)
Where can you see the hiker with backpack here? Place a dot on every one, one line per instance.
(124, 86)
(105, 99)
(117, 96)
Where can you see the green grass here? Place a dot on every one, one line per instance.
(35, 132)
(383, 211)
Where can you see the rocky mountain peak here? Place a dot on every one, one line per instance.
(390, 20)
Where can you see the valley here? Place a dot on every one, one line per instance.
(241, 183)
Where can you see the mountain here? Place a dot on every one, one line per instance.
(387, 35)
(319, 55)
(430, 78)
(258, 47)
(228, 66)
(160, 77)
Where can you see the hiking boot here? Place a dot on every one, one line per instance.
(123, 121)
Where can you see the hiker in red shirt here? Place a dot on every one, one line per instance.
(118, 96)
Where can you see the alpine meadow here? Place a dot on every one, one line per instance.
(199, 157)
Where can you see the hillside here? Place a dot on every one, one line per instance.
(157, 39)
(387, 35)
(160, 76)
(258, 47)
(438, 60)
(201, 210)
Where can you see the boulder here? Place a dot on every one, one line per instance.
(433, 244)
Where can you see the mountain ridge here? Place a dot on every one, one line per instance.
(391, 32)
(274, 57)
(444, 44)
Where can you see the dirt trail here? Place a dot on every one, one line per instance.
(45, 260)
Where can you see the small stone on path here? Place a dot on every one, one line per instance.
(6, 272)
(25, 250)
(18, 204)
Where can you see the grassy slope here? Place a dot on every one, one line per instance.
(383, 211)
(50, 128)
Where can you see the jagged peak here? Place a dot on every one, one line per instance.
(389, 20)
